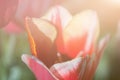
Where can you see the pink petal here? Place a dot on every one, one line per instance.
(67, 70)
(100, 49)
(60, 17)
(81, 33)
(93, 63)
(38, 68)
(102, 44)
(84, 68)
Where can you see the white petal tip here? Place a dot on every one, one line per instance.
(25, 58)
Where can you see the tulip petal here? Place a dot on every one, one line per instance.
(67, 70)
(81, 33)
(83, 68)
(41, 37)
(38, 68)
(60, 17)
(101, 46)
(94, 61)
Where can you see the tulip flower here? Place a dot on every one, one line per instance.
(7, 11)
(13, 12)
(64, 46)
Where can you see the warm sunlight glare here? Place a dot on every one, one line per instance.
(114, 2)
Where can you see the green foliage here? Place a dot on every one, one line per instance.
(11, 48)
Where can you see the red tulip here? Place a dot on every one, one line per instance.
(7, 11)
(74, 33)
(56, 35)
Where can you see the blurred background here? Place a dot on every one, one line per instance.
(14, 41)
